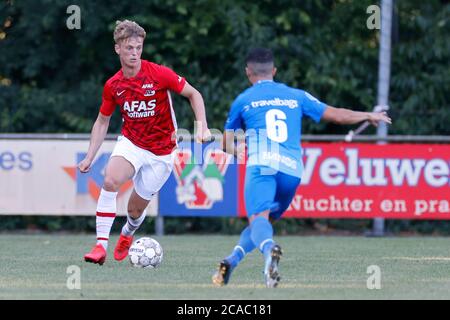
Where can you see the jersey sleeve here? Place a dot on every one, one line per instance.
(170, 80)
(108, 103)
(234, 120)
(312, 107)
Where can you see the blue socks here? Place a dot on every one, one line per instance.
(262, 235)
(244, 246)
(258, 234)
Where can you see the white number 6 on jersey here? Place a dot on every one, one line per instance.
(276, 127)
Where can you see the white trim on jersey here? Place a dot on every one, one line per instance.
(174, 118)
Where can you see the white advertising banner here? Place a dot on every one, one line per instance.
(40, 177)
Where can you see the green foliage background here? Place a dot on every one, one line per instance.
(51, 78)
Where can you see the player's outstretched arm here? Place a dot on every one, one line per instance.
(98, 134)
(347, 116)
(198, 106)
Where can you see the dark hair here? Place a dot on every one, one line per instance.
(259, 55)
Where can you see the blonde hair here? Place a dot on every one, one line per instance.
(127, 29)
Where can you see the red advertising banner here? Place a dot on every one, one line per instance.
(393, 181)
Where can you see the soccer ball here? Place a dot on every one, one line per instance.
(145, 253)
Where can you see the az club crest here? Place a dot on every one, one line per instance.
(200, 185)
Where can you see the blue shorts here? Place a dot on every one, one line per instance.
(267, 189)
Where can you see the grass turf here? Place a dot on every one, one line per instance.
(35, 267)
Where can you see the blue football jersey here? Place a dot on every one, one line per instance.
(271, 115)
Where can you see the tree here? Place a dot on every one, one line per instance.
(51, 77)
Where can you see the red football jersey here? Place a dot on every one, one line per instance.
(148, 117)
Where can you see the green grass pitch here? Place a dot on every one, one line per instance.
(35, 267)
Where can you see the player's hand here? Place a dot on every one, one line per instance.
(203, 135)
(84, 165)
(377, 117)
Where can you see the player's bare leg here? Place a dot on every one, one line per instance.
(135, 217)
(136, 205)
(118, 171)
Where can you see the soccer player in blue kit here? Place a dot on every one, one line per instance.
(271, 113)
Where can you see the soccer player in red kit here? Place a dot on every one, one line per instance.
(145, 150)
